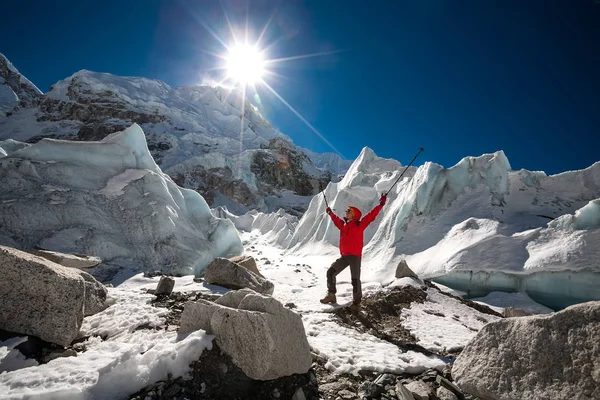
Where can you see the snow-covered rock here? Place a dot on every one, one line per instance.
(539, 357)
(108, 199)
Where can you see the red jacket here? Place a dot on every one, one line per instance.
(351, 233)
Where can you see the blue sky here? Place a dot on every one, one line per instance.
(459, 78)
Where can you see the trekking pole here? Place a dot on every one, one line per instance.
(321, 187)
(409, 164)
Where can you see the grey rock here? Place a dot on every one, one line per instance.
(346, 395)
(172, 391)
(68, 260)
(445, 394)
(196, 315)
(539, 357)
(299, 395)
(95, 294)
(247, 262)
(39, 297)
(420, 390)
(403, 271)
(233, 298)
(263, 338)
(403, 393)
(370, 390)
(228, 274)
(55, 355)
(446, 384)
(385, 379)
(514, 312)
(334, 387)
(165, 285)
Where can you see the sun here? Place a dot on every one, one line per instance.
(245, 64)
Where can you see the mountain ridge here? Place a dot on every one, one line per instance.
(181, 124)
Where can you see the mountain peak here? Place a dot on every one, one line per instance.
(209, 139)
(15, 89)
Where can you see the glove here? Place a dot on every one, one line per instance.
(382, 200)
(328, 210)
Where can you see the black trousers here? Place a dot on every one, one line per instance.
(338, 266)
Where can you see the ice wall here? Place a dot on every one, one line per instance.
(108, 199)
(477, 226)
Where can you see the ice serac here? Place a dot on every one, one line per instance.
(108, 199)
(275, 228)
(478, 226)
(361, 187)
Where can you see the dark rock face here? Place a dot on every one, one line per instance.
(28, 94)
(209, 182)
(94, 111)
(280, 166)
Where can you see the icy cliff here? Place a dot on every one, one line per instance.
(108, 199)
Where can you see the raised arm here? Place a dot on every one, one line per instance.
(370, 217)
(336, 220)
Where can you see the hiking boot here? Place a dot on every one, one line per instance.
(330, 298)
(354, 307)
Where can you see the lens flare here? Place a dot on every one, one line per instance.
(245, 64)
(247, 67)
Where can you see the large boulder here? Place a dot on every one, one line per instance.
(247, 262)
(263, 338)
(165, 286)
(538, 357)
(404, 271)
(95, 294)
(39, 297)
(226, 273)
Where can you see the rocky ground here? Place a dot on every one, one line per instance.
(214, 376)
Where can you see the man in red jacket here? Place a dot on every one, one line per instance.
(352, 229)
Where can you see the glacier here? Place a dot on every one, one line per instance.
(109, 199)
(477, 227)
